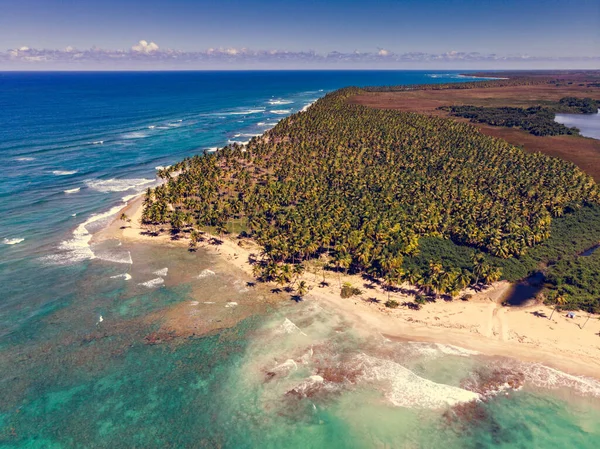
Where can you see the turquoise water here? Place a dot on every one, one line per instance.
(114, 345)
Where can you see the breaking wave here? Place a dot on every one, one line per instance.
(407, 389)
(14, 241)
(135, 135)
(153, 283)
(125, 276)
(115, 257)
(545, 377)
(78, 248)
(117, 185)
(162, 272)
(279, 102)
(64, 172)
(205, 273)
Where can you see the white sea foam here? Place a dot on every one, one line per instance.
(162, 272)
(24, 159)
(174, 125)
(245, 112)
(98, 142)
(14, 241)
(211, 149)
(455, 350)
(285, 367)
(407, 389)
(160, 167)
(125, 276)
(114, 256)
(239, 142)
(64, 172)
(439, 350)
(550, 378)
(153, 283)
(280, 111)
(75, 190)
(78, 249)
(128, 198)
(288, 327)
(279, 101)
(118, 185)
(151, 127)
(311, 383)
(135, 135)
(205, 273)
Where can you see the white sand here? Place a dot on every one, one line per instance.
(481, 324)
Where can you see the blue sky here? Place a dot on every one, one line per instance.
(539, 30)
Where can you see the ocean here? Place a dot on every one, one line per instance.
(84, 362)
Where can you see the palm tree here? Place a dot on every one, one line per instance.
(354, 184)
(413, 276)
(560, 301)
(302, 289)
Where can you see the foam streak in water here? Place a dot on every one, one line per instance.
(8, 241)
(153, 283)
(407, 389)
(118, 185)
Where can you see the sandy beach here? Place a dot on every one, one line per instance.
(481, 324)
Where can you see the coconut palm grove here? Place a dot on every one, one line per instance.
(380, 192)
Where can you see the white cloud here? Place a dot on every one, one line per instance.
(145, 47)
(147, 53)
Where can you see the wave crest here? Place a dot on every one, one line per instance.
(117, 185)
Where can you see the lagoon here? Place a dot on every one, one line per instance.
(588, 124)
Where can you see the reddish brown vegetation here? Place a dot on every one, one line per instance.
(583, 152)
(155, 338)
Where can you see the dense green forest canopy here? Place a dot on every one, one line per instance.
(363, 187)
(496, 80)
(537, 120)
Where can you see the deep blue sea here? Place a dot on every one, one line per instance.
(80, 366)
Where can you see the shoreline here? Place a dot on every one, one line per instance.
(481, 324)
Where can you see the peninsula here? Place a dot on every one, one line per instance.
(399, 216)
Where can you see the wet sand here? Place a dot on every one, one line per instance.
(481, 324)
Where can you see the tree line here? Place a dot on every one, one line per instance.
(361, 187)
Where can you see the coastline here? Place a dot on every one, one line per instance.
(480, 324)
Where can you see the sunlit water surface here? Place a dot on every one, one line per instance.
(114, 345)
